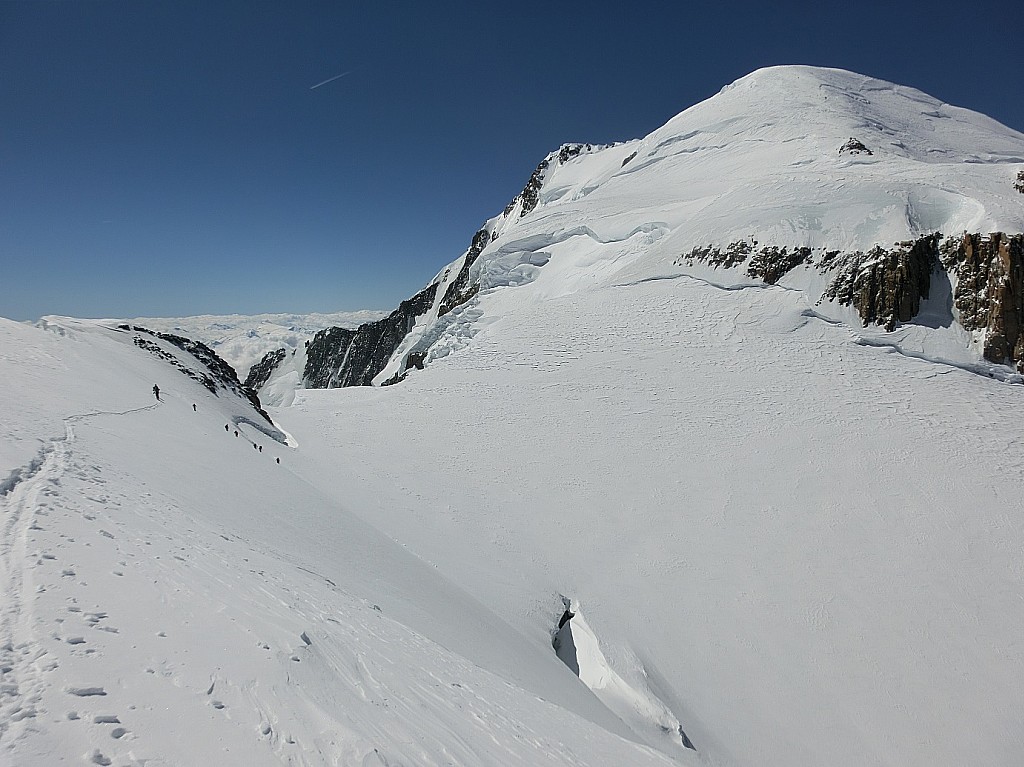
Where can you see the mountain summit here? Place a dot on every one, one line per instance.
(861, 193)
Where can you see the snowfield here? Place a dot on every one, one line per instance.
(173, 595)
(633, 511)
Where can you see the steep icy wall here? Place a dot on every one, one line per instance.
(825, 181)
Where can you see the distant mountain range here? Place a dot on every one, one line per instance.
(243, 340)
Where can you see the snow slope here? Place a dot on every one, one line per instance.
(173, 595)
(807, 549)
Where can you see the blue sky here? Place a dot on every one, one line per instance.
(170, 158)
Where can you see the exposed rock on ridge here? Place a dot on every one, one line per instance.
(769, 264)
(854, 146)
(259, 373)
(339, 357)
(459, 290)
(220, 376)
(530, 195)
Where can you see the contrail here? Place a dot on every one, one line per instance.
(331, 79)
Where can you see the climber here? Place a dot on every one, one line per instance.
(193, 407)
(156, 392)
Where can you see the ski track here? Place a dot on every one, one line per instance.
(24, 662)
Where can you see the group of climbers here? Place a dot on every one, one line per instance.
(227, 427)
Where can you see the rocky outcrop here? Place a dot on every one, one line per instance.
(989, 294)
(568, 151)
(887, 284)
(339, 357)
(884, 285)
(530, 195)
(734, 254)
(219, 376)
(260, 373)
(460, 290)
(1019, 184)
(853, 146)
(769, 263)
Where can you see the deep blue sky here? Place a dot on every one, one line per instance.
(169, 158)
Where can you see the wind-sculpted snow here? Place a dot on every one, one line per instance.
(513, 263)
(580, 650)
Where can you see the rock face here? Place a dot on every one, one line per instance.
(884, 285)
(531, 192)
(220, 375)
(887, 284)
(259, 373)
(989, 294)
(769, 264)
(530, 195)
(1019, 185)
(339, 357)
(459, 290)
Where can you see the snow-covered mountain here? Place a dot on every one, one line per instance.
(883, 205)
(657, 496)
